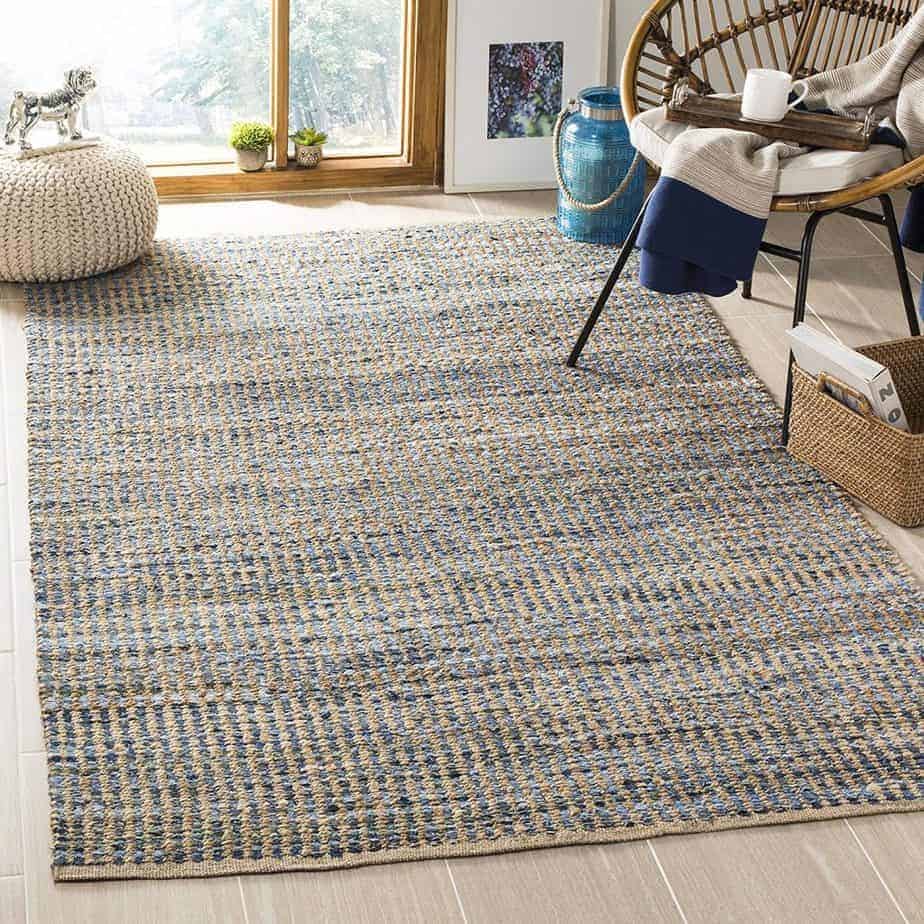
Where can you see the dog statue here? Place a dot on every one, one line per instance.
(61, 106)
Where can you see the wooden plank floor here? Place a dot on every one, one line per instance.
(865, 869)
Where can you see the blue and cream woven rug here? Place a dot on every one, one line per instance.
(336, 563)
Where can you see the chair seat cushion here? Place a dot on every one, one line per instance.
(822, 170)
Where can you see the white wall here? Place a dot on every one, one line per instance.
(624, 17)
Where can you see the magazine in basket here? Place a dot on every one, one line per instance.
(817, 354)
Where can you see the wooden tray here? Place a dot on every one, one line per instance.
(808, 128)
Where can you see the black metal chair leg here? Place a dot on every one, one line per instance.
(621, 261)
(746, 288)
(911, 311)
(798, 311)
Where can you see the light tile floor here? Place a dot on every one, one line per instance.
(865, 869)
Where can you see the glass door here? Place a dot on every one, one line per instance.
(346, 73)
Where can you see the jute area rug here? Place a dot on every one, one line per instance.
(336, 563)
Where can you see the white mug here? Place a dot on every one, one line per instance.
(766, 95)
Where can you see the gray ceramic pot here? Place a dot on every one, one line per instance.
(250, 161)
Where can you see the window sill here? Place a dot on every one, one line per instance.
(335, 173)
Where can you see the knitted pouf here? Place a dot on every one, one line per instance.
(74, 213)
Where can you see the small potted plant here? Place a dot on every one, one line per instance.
(309, 146)
(251, 140)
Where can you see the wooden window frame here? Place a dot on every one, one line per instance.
(419, 164)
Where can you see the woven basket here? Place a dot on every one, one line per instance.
(876, 463)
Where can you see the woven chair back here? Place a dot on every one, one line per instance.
(712, 43)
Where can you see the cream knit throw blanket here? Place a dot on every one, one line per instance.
(707, 214)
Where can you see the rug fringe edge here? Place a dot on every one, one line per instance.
(508, 844)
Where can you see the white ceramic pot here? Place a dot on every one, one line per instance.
(250, 161)
(308, 155)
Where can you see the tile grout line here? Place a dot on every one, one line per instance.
(667, 881)
(808, 305)
(4, 454)
(20, 785)
(240, 892)
(17, 642)
(17, 763)
(869, 859)
(4, 378)
(8, 511)
(452, 880)
(19, 652)
(17, 766)
(888, 250)
(865, 226)
(478, 211)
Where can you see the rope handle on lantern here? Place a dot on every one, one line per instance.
(559, 176)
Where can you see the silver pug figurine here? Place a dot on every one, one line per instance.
(61, 106)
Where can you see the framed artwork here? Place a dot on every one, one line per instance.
(511, 66)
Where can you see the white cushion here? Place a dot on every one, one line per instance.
(822, 170)
(825, 169)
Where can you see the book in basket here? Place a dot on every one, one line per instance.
(816, 353)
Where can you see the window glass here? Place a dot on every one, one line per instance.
(172, 75)
(345, 68)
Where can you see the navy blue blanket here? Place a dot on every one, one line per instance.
(691, 242)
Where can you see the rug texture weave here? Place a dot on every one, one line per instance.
(336, 563)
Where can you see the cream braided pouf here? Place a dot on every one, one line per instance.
(74, 213)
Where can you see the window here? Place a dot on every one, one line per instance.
(174, 74)
(345, 70)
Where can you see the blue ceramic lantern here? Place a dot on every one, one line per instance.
(601, 180)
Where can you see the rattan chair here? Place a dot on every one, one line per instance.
(711, 44)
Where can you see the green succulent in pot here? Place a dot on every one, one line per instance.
(309, 137)
(251, 140)
(309, 146)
